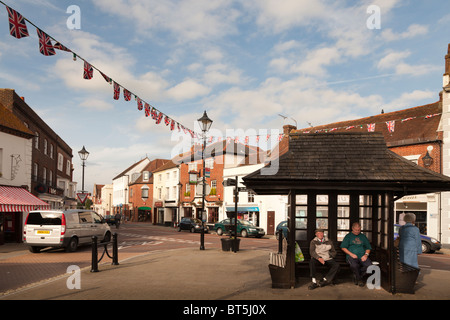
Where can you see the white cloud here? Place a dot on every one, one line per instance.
(412, 31)
(96, 104)
(395, 61)
(187, 89)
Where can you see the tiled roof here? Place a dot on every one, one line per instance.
(413, 125)
(12, 124)
(344, 160)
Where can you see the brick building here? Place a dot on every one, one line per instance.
(51, 164)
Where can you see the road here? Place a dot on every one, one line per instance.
(19, 268)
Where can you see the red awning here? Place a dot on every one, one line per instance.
(14, 199)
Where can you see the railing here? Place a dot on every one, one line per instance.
(115, 254)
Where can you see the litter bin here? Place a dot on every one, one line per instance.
(405, 278)
(230, 244)
(280, 277)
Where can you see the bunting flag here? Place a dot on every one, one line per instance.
(116, 91)
(166, 120)
(17, 25)
(126, 94)
(107, 79)
(172, 125)
(139, 103)
(154, 114)
(391, 125)
(59, 46)
(160, 116)
(371, 127)
(45, 44)
(88, 71)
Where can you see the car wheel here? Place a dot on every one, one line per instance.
(244, 233)
(179, 229)
(72, 246)
(219, 231)
(192, 230)
(425, 247)
(34, 249)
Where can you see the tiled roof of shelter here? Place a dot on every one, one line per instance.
(343, 158)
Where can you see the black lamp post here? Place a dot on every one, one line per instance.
(83, 156)
(205, 124)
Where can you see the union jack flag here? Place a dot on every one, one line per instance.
(391, 125)
(371, 127)
(139, 104)
(116, 91)
(107, 79)
(147, 109)
(126, 94)
(166, 120)
(88, 71)
(45, 44)
(17, 26)
(59, 46)
(172, 125)
(154, 114)
(158, 120)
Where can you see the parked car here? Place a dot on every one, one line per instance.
(283, 226)
(63, 228)
(429, 244)
(244, 228)
(191, 224)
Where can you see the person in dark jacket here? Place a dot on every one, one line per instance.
(322, 252)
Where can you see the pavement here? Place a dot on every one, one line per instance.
(190, 274)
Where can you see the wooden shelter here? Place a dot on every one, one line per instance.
(335, 179)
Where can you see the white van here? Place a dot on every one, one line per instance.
(63, 228)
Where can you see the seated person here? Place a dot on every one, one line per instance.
(357, 247)
(322, 252)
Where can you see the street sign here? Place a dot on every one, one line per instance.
(207, 172)
(82, 196)
(229, 183)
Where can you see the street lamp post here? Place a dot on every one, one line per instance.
(83, 156)
(205, 124)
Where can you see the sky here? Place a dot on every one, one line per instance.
(244, 62)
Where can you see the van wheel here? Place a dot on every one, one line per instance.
(34, 249)
(72, 246)
(219, 231)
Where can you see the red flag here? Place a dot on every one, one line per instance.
(88, 71)
(139, 103)
(126, 94)
(391, 125)
(371, 127)
(116, 91)
(59, 46)
(45, 44)
(17, 26)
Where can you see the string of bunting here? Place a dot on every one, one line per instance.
(18, 29)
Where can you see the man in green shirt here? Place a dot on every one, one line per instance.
(357, 247)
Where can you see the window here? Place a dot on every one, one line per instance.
(146, 176)
(365, 214)
(60, 162)
(68, 165)
(144, 192)
(301, 214)
(193, 166)
(44, 174)
(209, 163)
(35, 171)
(251, 196)
(343, 216)
(51, 151)
(45, 146)
(36, 140)
(85, 217)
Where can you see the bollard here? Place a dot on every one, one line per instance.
(115, 251)
(94, 262)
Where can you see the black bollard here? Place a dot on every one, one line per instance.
(115, 251)
(280, 241)
(94, 263)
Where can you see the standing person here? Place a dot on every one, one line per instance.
(322, 252)
(357, 247)
(410, 243)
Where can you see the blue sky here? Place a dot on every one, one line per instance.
(245, 62)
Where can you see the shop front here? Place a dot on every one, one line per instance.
(15, 203)
(250, 214)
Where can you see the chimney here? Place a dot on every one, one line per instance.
(288, 128)
(447, 61)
